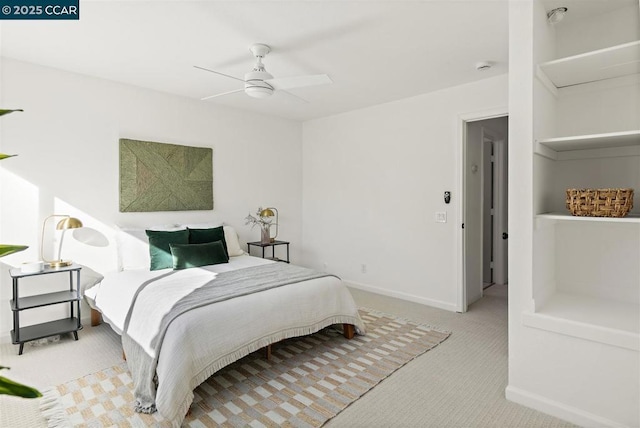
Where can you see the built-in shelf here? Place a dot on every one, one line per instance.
(593, 141)
(597, 319)
(608, 63)
(629, 219)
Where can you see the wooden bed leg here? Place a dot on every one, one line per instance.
(124, 356)
(349, 331)
(267, 352)
(96, 318)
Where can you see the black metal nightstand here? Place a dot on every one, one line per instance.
(20, 335)
(273, 248)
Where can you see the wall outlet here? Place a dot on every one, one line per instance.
(363, 268)
(441, 217)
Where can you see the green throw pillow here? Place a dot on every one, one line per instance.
(202, 236)
(159, 249)
(194, 255)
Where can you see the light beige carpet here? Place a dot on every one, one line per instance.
(307, 382)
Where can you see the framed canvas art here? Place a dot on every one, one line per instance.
(165, 177)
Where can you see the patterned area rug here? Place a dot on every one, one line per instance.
(308, 380)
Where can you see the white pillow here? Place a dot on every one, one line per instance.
(89, 278)
(233, 244)
(133, 246)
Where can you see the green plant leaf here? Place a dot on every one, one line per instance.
(5, 111)
(3, 156)
(9, 387)
(5, 250)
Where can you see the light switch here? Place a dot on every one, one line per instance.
(441, 217)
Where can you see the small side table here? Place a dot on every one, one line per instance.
(21, 335)
(273, 249)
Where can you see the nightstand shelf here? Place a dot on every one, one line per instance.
(273, 246)
(46, 329)
(43, 300)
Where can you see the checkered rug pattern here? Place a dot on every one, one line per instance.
(308, 380)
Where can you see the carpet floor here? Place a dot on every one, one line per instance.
(307, 381)
(458, 384)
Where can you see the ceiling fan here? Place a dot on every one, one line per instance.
(258, 83)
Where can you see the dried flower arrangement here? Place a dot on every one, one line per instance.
(263, 221)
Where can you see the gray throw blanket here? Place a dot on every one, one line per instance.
(226, 285)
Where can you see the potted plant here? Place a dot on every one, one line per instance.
(7, 386)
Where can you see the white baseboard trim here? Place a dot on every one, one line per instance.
(5, 338)
(559, 410)
(403, 296)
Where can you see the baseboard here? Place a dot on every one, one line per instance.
(5, 338)
(403, 296)
(559, 410)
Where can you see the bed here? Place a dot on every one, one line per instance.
(202, 340)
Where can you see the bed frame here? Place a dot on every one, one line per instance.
(348, 331)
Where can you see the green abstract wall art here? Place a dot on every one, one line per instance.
(164, 177)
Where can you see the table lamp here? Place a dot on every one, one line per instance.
(66, 223)
(267, 213)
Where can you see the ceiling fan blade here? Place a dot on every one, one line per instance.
(297, 98)
(299, 81)
(219, 95)
(217, 72)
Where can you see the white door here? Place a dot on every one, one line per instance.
(501, 213)
(472, 213)
(488, 172)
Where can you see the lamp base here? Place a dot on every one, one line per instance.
(60, 263)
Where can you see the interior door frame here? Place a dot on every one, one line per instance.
(463, 119)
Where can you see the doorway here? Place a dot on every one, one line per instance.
(484, 212)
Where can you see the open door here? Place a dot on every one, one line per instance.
(501, 213)
(472, 212)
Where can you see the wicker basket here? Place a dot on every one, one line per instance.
(599, 202)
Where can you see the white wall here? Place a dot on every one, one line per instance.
(579, 35)
(67, 141)
(372, 182)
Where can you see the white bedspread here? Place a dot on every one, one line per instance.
(117, 289)
(202, 341)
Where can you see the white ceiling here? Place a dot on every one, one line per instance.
(374, 51)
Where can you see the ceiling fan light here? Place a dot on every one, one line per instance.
(258, 91)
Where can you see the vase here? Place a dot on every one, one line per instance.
(265, 234)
